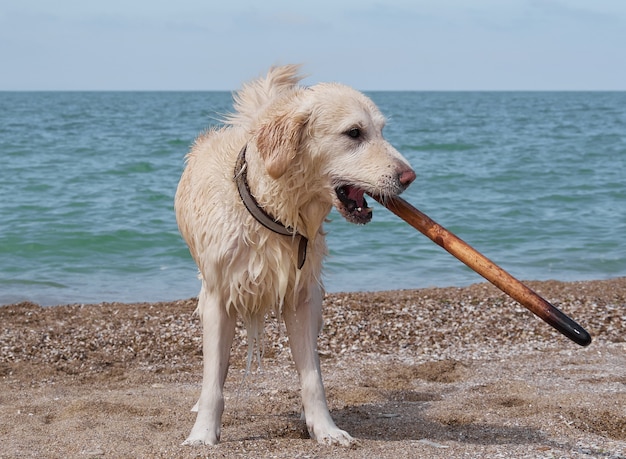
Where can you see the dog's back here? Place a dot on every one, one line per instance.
(255, 97)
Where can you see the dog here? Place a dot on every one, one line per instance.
(251, 204)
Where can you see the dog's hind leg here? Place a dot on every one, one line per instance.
(218, 331)
(303, 326)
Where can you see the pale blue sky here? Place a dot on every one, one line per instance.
(371, 45)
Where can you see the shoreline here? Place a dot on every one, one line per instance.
(434, 372)
(479, 280)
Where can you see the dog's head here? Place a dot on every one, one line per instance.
(334, 133)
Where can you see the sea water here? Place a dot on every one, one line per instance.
(536, 181)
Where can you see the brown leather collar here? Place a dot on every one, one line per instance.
(265, 219)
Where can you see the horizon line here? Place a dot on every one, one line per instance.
(362, 90)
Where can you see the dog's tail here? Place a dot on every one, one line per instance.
(255, 96)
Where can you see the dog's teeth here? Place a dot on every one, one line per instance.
(359, 209)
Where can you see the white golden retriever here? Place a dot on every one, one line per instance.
(251, 203)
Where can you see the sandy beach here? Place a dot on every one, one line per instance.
(431, 373)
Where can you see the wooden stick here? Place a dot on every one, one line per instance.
(487, 268)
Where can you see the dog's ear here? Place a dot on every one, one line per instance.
(279, 140)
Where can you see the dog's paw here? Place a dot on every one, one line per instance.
(200, 442)
(334, 436)
(202, 437)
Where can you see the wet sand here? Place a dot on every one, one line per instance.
(432, 373)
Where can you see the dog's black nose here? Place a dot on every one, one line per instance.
(406, 177)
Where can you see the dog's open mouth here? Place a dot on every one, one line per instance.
(352, 204)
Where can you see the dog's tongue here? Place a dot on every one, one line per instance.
(356, 195)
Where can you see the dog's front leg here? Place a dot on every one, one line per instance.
(218, 331)
(303, 326)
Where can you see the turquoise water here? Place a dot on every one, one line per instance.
(534, 180)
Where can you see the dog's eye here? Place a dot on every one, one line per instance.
(354, 133)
